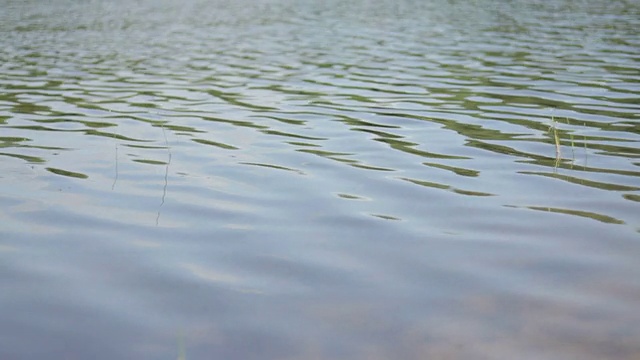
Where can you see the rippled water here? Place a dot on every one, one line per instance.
(319, 179)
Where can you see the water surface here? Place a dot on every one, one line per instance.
(319, 180)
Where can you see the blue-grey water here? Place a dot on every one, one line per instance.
(299, 179)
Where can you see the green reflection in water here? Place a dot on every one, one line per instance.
(476, 131)
(9, 141)
(283, 120)
(325, 154)
(26, 108)
(282, 133)
(445, 187)
(137, 146)
(471, 193)
(31, 159)
(240, 123)
(231, 99)
(35, 127)
(370, 167)
(351, 197)
(180, 128)
(456, 170)
(590, 183)
(616, 150)
(330, 155)
(285, 90)
(67, 173)
(408, 147)
(91, 124)
(97, 124)
(274, 167)
(358, 122)
(113, 135)
(296, 143)
(586, 214)
(150, 162)
(386, 217)
(632, 197)
(214, 143)
(506, 150)
(381, 134)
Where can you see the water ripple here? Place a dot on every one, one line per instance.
(289, 173)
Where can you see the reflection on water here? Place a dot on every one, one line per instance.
(298, 179)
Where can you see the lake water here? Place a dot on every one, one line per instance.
(319, 179)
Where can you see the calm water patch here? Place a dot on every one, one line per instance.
(319, 180)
